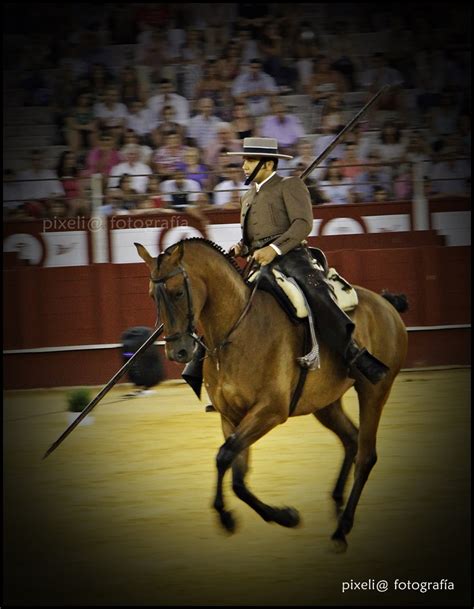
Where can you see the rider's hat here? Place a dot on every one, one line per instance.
(266, 147)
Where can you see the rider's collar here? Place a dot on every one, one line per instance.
(258, 186)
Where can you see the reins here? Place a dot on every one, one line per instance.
(191, 328)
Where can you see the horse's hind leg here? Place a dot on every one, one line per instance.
(285, 516)
(334, 418)
(371, 402)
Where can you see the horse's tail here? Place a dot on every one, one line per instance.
(399, 301)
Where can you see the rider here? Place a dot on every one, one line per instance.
(276, 218)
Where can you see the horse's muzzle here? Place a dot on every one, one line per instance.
(181, 351)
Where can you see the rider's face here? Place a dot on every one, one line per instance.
(249, 165)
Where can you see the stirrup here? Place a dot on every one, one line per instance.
(310, 360)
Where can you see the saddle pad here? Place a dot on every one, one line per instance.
(293, 293)
(343, 292)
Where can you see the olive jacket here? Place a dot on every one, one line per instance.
(280, 213)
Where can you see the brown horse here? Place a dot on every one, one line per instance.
(251, 375)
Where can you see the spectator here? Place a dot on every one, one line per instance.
(81, 125)
(351, 164)
(129, 86)
(99, 81)
(449, 174)
(254, 87)
(283, 126)
(153, 198)
(374, 175)
(72, 180)
(418, 151)
(103, 157)
(317, 197)
(111, 114)
(332, 116)
(391, 146)
(324, 81)
(138, 171)
(271, 50)
(193, 168)
(154, 55)
(379, 75)
(130, 137)
(380, 194)
(224, 140)
(203, 126)
(334, 188)
(126, 193)
(402, 183)
(140, 121)
(242, 123)
(166, 126)
(306, 49)
(167, 158)
(227, 194)
(212, 86)
(179, 193)
(38, 186)
(304, 157)
(166, 97)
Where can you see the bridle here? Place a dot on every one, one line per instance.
(191, 328)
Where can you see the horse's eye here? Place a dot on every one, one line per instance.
(179, 294)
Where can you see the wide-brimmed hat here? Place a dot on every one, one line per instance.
(266, 147)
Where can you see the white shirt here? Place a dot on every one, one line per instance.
(190, 188)
(112, 117)
(142, 122)
(258, 186)
(179, 103)
(203, 130)
(223, 191)
(139, 172)
(48, 186)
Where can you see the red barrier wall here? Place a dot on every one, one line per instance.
(46, 307)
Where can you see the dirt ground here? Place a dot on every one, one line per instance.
(120, 513)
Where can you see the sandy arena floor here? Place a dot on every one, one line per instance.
(120, 513)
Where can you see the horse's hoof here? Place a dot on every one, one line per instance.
(227, 521)
(287, 517)
(339, 543)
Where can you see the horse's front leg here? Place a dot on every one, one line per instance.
(285, 516)
(256, 423)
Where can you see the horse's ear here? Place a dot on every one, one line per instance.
(145, 255)
(176, 253)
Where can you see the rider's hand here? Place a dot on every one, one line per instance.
(265, 255)
(236, 250)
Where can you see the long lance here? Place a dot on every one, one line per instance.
(341, 134)
(153, 336)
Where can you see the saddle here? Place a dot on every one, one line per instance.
(290, 296)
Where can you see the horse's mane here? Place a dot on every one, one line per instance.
(215, 247)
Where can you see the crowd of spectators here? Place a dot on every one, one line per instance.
(198, 78)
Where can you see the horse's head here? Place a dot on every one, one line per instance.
(177, 303)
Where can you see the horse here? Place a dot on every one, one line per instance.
(250, 370)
